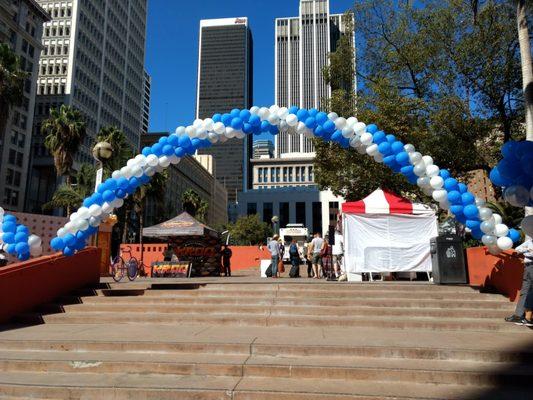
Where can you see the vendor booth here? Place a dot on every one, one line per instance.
(196, 248)
(387, 233)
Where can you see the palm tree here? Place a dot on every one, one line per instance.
(65, 130)
(122, 150)
(11, 83)
(527, 67)
(194, 204)
(72, 196)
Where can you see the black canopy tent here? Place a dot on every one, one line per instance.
(190, 241)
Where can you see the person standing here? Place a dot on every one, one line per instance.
(273, 247)
(294, 255)
(338, 252)
(526, 249)
(315, 250)
(226, 260)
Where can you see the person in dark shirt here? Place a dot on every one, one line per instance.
(226, 260)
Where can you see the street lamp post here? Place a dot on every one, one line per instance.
(275, 220)
(102, 152)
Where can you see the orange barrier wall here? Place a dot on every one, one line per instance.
(40, 280)
(502, 272)
(243, 257)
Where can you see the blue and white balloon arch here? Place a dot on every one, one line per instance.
(348, 133)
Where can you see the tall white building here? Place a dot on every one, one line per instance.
(93, 60)
(147, 88)
(21, 27)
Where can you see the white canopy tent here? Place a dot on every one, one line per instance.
(387, 233)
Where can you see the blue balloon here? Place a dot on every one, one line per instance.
(9, 226)
(413, 179)
(389, 161)
(237, 123)
(395, 167)
(163, 140)
(88, 202)
(497, 179)
(509, 169)
(462, 188)
(79, 245)
(477, 233)
(257, 129)
(379, 137)
(174, 140)
(68, 251)
(337, 136)
(69, 239)
(472, 223)
(321, 118)
(302, 114)
(273, 129)
(146, 151)
(372, 128)
(402, 158)
(329, 126)
(11, 249)
(134, 182)
(179, 152)
(509, 149)
(109, 196)
(235, 112)
(445, 174)
(255, 120)
(526, 162)
(226, 119)
(144, 179)
(168, 150)
(450, 184)
(157, 149)
(293, 110)
(122, 183)
(456, 210)
(196, 143)
(217, 117)
(467, 198)
(91, 230)
(313, 112)
(391, 138)
(514, 235)
(319, 131)
(185, 142)
(98, 199)
(523, 148)
(8, 237)
(57, 244)
(23, 256)
(326, 136)
(265, 126)
(384, 148)
(454, 197)
(470, 211)
(122, 193)
(406, 170)
(310, 123)
(111, 184)
(10, 218)
(245, 115)
(81, 235)
(345, 143)
(22, 228)
(397, 148)
(21, 237)
(247, 128)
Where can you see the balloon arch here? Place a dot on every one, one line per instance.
(366, 139)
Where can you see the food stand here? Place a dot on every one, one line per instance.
(197, 247)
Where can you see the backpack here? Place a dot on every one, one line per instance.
(293, 250)
(268, 271)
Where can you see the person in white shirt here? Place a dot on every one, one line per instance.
(273, 247)
(519, 317)
(338, 252)
(315, 251)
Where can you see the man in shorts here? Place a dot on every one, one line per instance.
(315, 250)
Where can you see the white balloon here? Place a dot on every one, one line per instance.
(423, 182)
(137, 171)
(340, 123)
(131, 162)
(83, 213)
(263, 113)
(190, 131)
(347, 132)
(273, 109)
(117, 203)
(82, 224)
(126, 171)
(180, 130)
(489, 240)
(213, 137)
(283, 112)
(372, 149)
(485, 213)
(106, 208)
(497, 218)
(420, 169)
(428, 191)
(301, 128)
(150, 171)
(480, 202)
(197, 123)
(527, 225)
(409, 148)
(164, 161)
(378, 157)
(222, 139)
(254, 110)
(34, 240)
(73, 216)
(292, 120)
(355, 141)
(351, 122)
(505, 243)
(432, 170)
(273, 119)
(487, 227)
(174, 159)
(219, 128)
(36, 251)
(283, 125)
(201, 134)
(230, 132)
(240, 134)
(61, 232)
(415, 158)
(208, 124)
(366, 138)
(333, 116)
(359, 128)
(141, 160)
(445, 205)
(437, 182)
(152, 160)
(501, 230)
(361, 149)
(517, 196)
(440, 195)
(428, 160)
(116, 175)
(94, 222)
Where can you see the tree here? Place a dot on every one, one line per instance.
(249, 230)
(122, 150)
(194, 205)
(11, 83)
(72, 196)
(426, 79)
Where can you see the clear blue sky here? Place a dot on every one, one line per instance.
(172, 50)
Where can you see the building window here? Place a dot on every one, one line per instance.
(20, 158)
(285, 174)
(251, 209)
(290, 174)
(12, 157)
(283, 214)
(278, 173)
(310, 177)
(10, 176)
(268, 212)
(272, 174)
(300, 213)
(260, 175)
(297, 174)
(317, 217)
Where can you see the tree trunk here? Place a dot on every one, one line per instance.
(125, 232)
(68, 182)
(527, 71)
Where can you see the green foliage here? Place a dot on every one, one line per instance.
(72, 196)
(195, 205)
(431, 76)
(65, 130)
(249, 230)
(122, 151)
(11, 83)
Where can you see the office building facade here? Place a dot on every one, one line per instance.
(263, 149)
(93, 60)
(147, 93)
(21, 28)
(225, 80)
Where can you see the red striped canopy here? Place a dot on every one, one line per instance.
(384, 202)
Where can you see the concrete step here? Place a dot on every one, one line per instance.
(156, 386)
(341, 311)
(390, 322)
(308, 367)
(493, 304)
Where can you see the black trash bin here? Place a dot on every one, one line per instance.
(448, 260)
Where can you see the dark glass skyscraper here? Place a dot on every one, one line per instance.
(225, 79)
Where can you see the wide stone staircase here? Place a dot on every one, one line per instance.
(286, 340)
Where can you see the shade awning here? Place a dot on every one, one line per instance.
(385, 202)
(182, 225)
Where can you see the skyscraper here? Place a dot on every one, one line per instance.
(302, 46)
(225, 79)
(21, 27)
(93, 60)
(147, 93)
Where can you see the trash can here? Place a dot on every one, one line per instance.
(448, 260)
